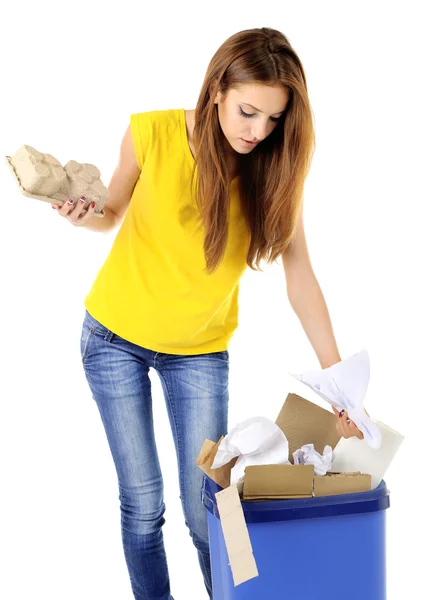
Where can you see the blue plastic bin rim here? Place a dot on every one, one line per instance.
(302, 508)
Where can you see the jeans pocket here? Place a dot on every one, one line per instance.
(95, 326)
(92, 328)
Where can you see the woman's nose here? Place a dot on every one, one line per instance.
(259, 131)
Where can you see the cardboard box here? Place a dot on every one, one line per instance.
(303, 423)
(341, 483)
(273, 482)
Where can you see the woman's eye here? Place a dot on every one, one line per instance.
(244, 114)
(248, 115)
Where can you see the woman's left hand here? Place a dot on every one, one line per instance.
(345, 427)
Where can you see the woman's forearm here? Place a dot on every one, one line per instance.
(104, 224)
(307, 301)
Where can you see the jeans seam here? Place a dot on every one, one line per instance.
(178, 435)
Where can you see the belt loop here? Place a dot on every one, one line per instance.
(109, 336)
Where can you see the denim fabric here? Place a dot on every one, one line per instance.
(196, 396)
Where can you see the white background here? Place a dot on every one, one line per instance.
(71, 76)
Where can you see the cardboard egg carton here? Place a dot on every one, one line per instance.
(42, 177)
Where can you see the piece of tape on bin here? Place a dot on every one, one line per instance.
(236, 536)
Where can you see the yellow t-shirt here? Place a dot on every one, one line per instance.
(152, 289)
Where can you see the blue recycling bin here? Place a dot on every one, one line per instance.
(322, 548)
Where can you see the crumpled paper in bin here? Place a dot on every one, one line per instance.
(344, 386)
(308, 455)
(256, 441)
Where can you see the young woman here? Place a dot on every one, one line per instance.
(200, 195)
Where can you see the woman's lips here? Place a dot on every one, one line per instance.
(249, 143)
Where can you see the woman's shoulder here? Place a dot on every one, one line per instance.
(159, 114)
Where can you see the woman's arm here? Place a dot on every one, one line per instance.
(120, 188)
(307, 300)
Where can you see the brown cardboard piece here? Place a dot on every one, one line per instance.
(236, 536)
(206, 458)
(266, 482)
(341, 483)
(304, 422)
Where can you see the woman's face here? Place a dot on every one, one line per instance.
(264, 104)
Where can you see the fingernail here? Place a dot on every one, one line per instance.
(53, 207)
(93, 204)
(341, 414)
(69, 201)
(348, 421)
(82, 200)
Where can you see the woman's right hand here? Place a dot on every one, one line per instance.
(72, 211)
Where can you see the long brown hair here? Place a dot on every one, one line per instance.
(272, 176)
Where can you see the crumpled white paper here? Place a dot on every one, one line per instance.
(308, 455)
(256, 441)
(344, 386)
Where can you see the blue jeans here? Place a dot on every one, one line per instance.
(196, 395)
